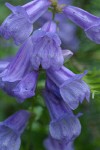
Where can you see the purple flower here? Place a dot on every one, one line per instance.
(71, 87)
(46, 48)
(11, 130)
(64, 124)
(88, 22)
(19, 25)
(52, 144)
(18, 78)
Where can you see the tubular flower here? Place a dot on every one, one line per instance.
(64, 124)
(71, 87)
(11, 130)
(18, 78)
(46, 48)
(19, 25)
(88, 22)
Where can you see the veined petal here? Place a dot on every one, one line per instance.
(13, 25)
(19, 66)
(19, 24)
(64, 124)
(9, 140)
(79, 16)
(26, 87)
(36, 8)
(52, 144)
(46, 48)
(66, 128)
(93, 32)
(11, 130)
(50, 26)
(74, 91)
(87, 21)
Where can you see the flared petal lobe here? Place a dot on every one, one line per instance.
(74, 91)
(26, 87)
(52, 144)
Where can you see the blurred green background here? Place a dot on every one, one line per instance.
(87, 57)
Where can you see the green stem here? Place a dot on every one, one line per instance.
(53, 14)
(30, 127)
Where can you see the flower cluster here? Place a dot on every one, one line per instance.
(64, 90)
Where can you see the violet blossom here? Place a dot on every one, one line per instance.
(88, 22)
(18, 78)
(64, 124)
(19, 24)
(11, 130)
(71, 87)
(46, 48)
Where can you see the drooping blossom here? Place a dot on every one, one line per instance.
(71, 87)
(64, 125)
(11, 130)
(19, 24)
(46, 48)
(88, 22)
(18, 78)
